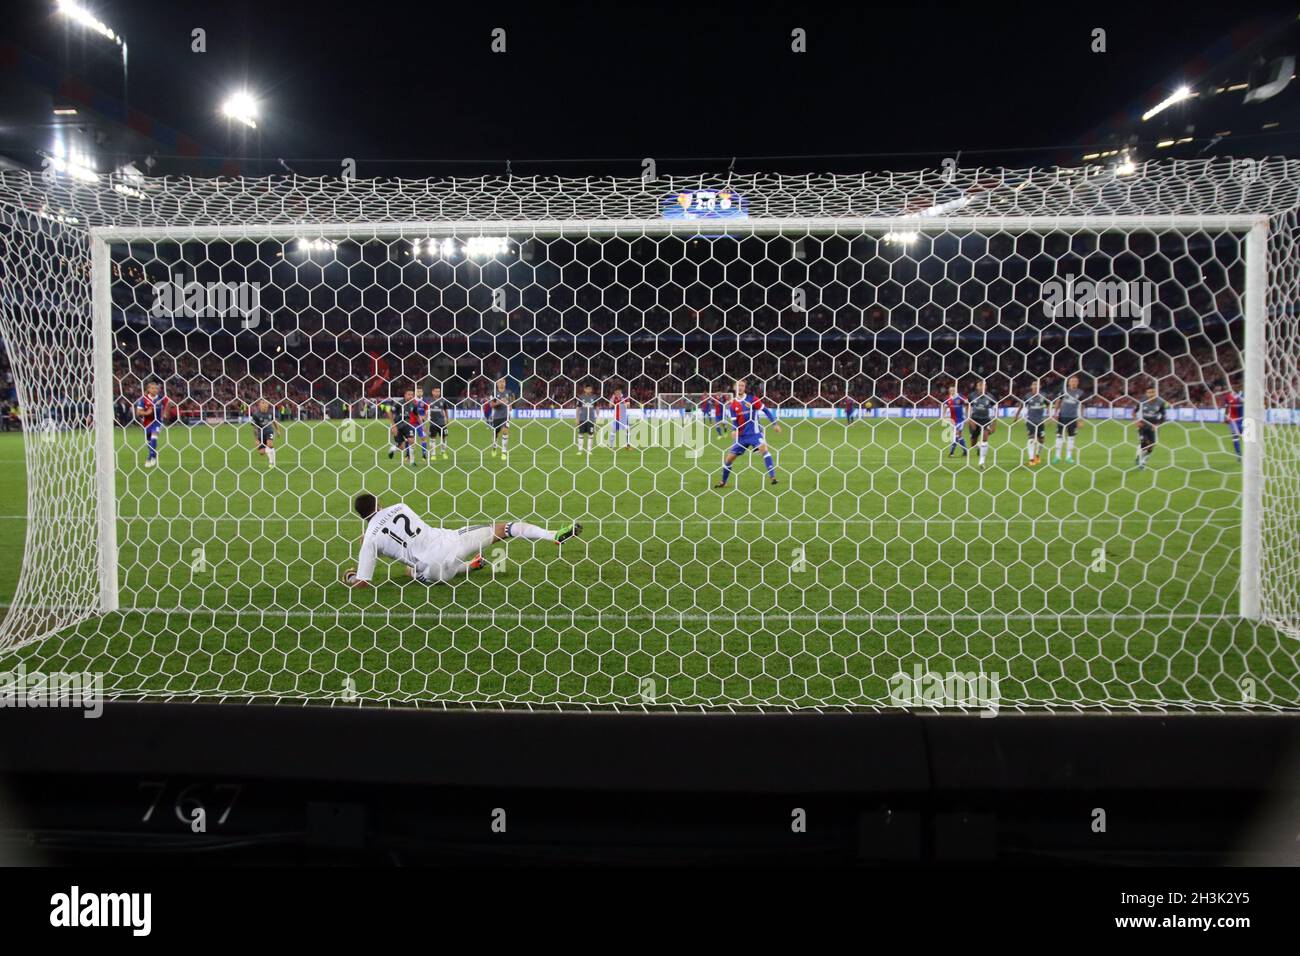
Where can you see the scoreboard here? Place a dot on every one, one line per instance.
(705, 204)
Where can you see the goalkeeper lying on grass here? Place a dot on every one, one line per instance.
(431, 555)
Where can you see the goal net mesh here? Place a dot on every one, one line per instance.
(889, 565)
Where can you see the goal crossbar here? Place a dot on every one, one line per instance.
(668, 227)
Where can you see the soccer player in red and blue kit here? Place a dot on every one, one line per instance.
(713, 408)
(150, 410)
(620, 422)
(954, 410)
(706, 408)
(417, 413)
(744, 411)
(1234, 404)
(850, 406)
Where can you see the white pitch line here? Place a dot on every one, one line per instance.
(746, 616)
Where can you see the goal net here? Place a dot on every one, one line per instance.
(1071, 480)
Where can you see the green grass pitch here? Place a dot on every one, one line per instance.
(1080, 585)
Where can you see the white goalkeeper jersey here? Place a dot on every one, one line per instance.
(394, 532)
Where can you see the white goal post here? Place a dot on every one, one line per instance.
(914, 281)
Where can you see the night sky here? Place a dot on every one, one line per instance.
(417, 85)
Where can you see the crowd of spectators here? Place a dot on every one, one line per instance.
(210, 385)
(310, 386)
(811, 321)
(674, 287)
(884, 325)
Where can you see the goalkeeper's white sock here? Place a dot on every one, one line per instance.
(270, 456)
(1032, 452)
(984, 450)
(528, 532)
(1069, 447)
